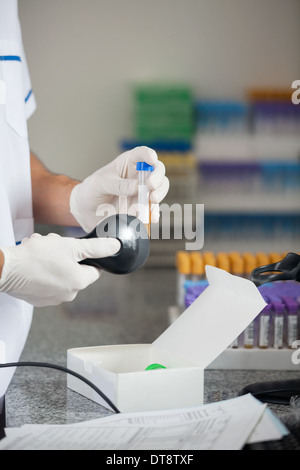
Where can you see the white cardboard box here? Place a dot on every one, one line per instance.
(206, 328)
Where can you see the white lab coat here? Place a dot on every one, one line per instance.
(17, 103)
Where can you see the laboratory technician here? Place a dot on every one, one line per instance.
(40, 270)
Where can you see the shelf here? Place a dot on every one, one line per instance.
(252, 204)
(247, 147)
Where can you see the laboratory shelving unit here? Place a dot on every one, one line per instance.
(248, 155)
(242, 162)
(245, 170)
(240, 159)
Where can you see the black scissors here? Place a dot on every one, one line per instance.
(286, 269)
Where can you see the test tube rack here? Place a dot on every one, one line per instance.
(259, 355)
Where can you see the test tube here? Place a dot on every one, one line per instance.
(249, 264)
(249, 339)
(278, 333)
(209, 258)
(250, 333)
(237, 265)
(197, 266)
(144, 212)
(223, 261)
(264, 327)
(292, 319)
(183, 265)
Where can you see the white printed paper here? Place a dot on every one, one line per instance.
(225, 425)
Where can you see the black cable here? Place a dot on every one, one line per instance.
(63, 369)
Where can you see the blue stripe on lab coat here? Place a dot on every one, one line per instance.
(18, 59)
(28, 96)
(10, 57)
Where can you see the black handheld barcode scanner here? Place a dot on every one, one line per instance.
(134, 239)
(284, 270)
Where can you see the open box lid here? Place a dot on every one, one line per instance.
(214, 320)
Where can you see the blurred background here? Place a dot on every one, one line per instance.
(207, 83)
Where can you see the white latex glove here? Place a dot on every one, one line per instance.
(101, 190)
(44, 270)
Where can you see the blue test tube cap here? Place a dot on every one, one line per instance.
(143, 166)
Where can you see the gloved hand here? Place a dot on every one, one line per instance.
(101, 191)
(44, 270)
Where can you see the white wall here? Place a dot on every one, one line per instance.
(84, 55)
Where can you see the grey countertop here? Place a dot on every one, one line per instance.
(114, 310)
